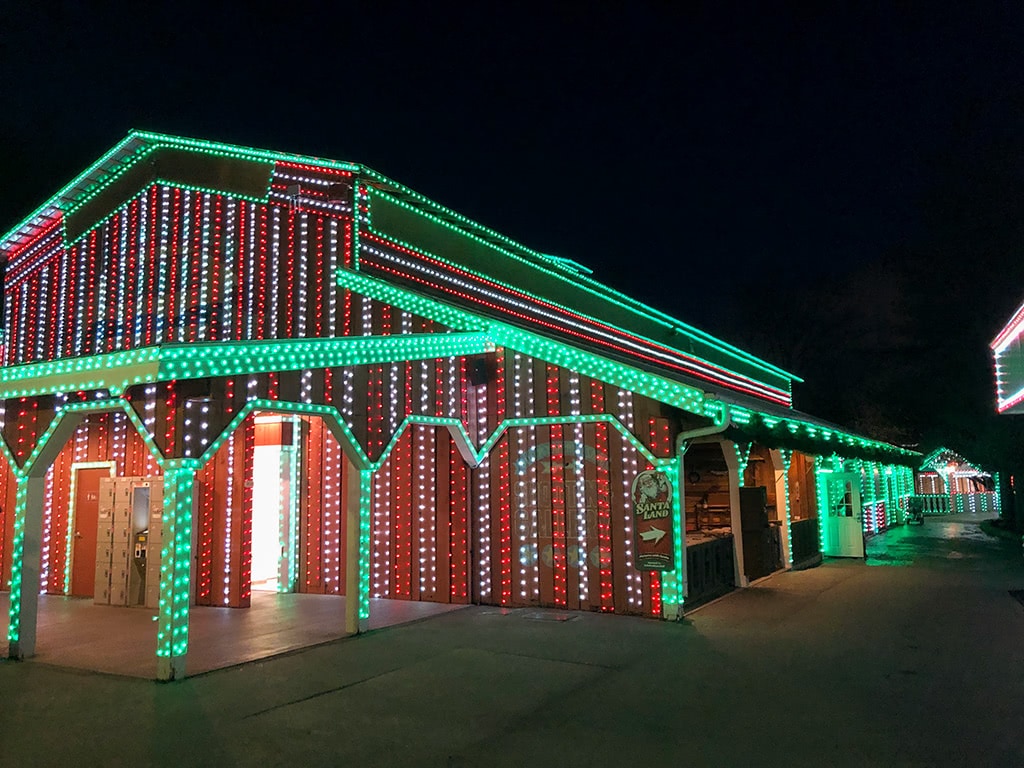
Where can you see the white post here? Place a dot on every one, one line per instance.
(353, 625)
(732, 463)
(27, 553)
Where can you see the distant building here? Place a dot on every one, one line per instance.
(228, 370)
(947, 483)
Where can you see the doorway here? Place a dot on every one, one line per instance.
(845, 524)
(85, 504)
(274, 504)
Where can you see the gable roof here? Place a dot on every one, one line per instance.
(388, 210)
(143, 158)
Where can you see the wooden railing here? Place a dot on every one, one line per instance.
(709, 570)
(931, 503)
(986, 502)
(805, 539)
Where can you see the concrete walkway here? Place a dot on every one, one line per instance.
(911, 659)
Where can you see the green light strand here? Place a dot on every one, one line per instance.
(787, 460)
(175, 561)
(784, 379)
(586, 363)
(672, 582)
(821, 485)
(365, 517)
(17, 558)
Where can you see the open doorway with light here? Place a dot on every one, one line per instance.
(275, 483)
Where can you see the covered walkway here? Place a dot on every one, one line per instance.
(76, 633)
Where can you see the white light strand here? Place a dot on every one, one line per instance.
(634, 580)
(205, 273)
(332, 289)
(122, 282)
(483, 506)
(140, 282)
(250, 276)
(274, 269)
(184, 258)
(580, 469)
(520, 307)
(303, 257)
(229, 289)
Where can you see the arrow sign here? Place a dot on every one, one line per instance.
(655, 535)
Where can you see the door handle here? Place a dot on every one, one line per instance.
(78, 535)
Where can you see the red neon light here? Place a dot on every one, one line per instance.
(261, 270)
(128, 312)
(213, 323)
(1010, 330)
(115, 266)
(566, 313)
(558, 524)
(604, 512)
(90, 307)
(36, 237)
(319, 260)
(195, 264)
(319, 169)
(289, 278)
(151, 261)
(655, 587)
(490, 305)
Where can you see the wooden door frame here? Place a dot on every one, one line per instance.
(70, 545)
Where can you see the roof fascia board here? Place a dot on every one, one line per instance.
(555, 268)
(116, 371)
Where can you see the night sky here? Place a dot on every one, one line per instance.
(839, 190)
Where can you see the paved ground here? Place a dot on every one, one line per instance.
(73, 632)
(913, 659)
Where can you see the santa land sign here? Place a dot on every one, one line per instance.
(652, 521)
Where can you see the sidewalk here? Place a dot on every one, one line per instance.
(910, 659)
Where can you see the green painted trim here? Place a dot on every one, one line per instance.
(116, 371)
(618, 374)
(557, 268)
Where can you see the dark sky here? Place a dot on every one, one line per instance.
(717, 161)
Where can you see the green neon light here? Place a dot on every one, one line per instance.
(160, 183)
(205, 360)
(821, 486)
(365, 510)
(113, 371)
(331, 415)
(17, 558)
(672, 584)
(674, 326)
(175, 560)
(116, 371)
(290, 536)
(55, 201)
(559, 269)
(623, 376)
(787, 460)
(742, 451)
(94, 406)
(589, 364)
(8, 455)
(595, 366)
(148, 142)
(765, 428)
(21, 476)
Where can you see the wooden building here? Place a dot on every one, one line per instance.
(282, 372)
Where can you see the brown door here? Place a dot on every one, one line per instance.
(87, 497)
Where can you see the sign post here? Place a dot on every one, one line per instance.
(654, 538)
